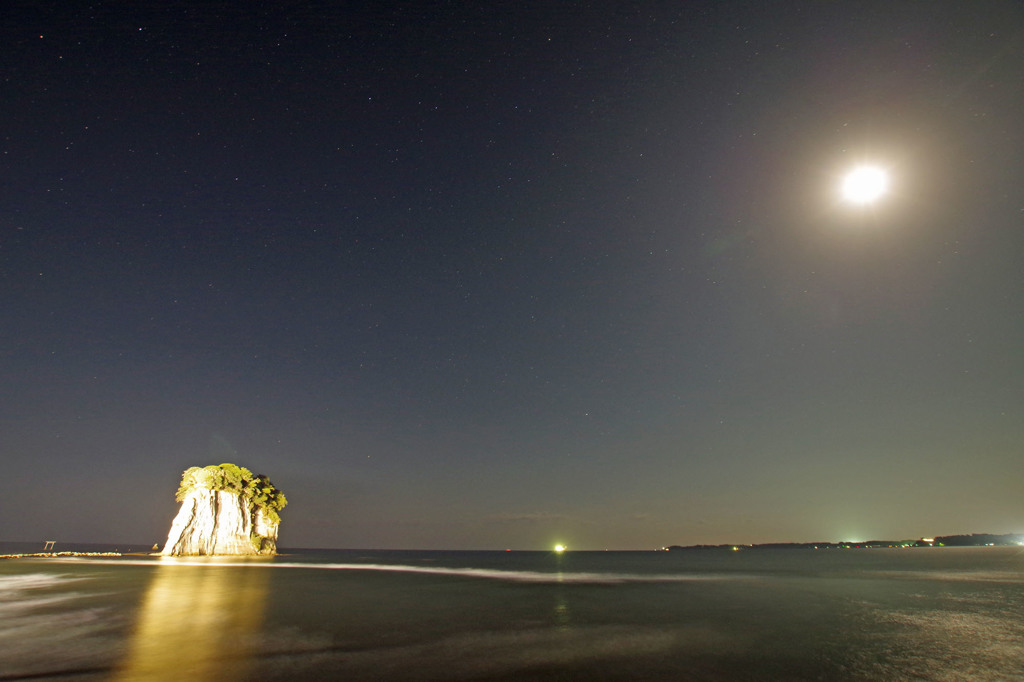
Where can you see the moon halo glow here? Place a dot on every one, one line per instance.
(865, 184)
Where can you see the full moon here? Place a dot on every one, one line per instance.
(865, 184)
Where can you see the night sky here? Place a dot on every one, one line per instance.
(500, 274)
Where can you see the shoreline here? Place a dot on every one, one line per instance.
(51, 555)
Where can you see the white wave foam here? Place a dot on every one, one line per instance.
(42, 629)
(32, 581)
(484, 573)
(510, 576)
(1010, 577)
(20, 593)
(13, 607)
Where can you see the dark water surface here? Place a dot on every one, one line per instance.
(921, 614)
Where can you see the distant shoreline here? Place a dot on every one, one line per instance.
(28, 550)
(972, 540)
(50, 555)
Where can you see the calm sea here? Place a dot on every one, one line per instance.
(879, 614)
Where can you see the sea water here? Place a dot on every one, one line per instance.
(754, 614)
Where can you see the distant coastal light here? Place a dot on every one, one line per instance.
(560, 548)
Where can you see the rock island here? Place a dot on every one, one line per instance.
(225, 510)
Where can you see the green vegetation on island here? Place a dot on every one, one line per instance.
(236, 479)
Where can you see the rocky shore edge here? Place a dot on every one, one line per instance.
(50, 555)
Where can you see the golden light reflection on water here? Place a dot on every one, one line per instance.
(197, 622)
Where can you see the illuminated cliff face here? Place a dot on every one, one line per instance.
(220, 522)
